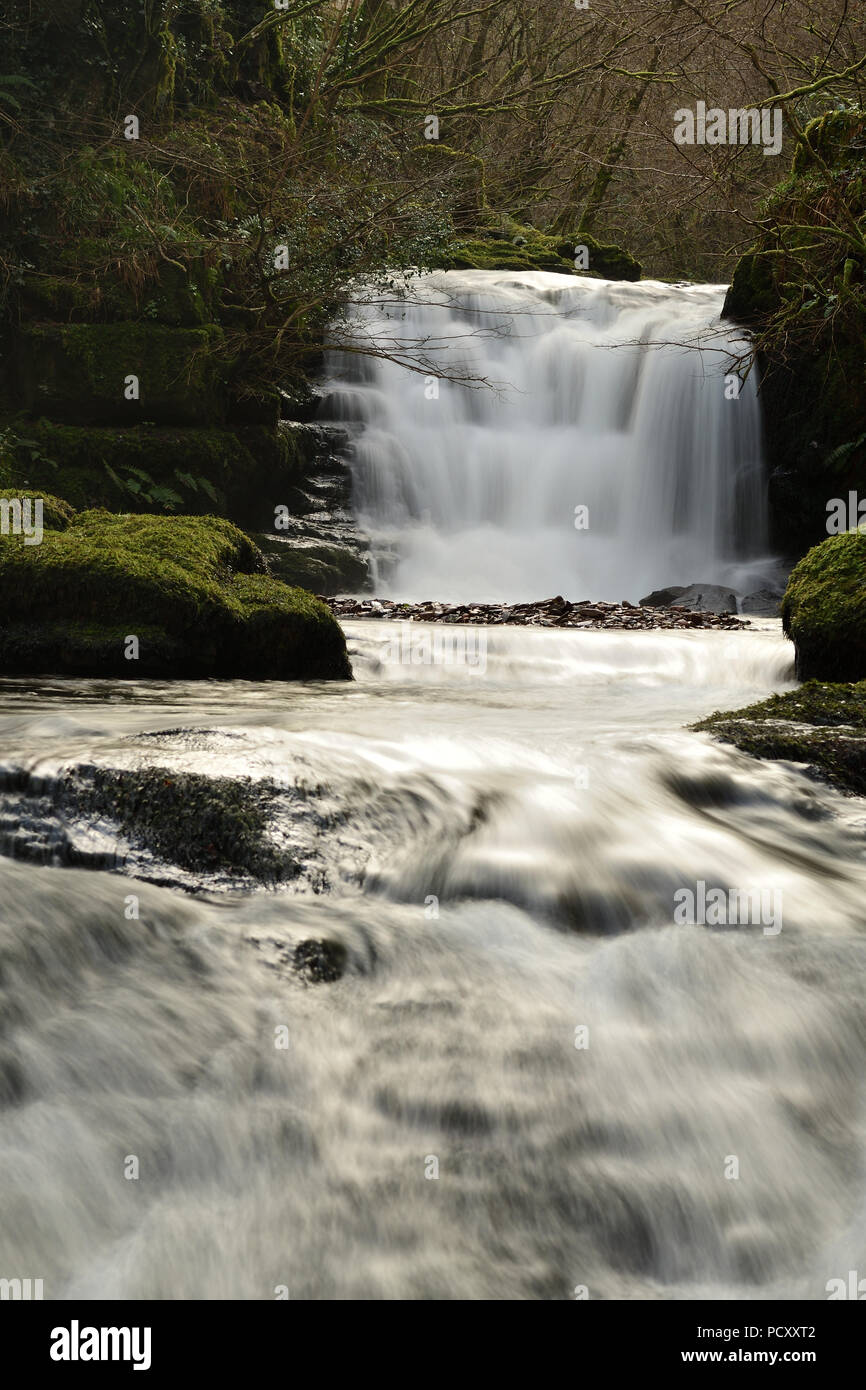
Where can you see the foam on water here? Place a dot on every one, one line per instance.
(564, 392)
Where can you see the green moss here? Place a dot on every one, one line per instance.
(56, 297)
(198, 583)
(78, 372)
(819, 724)
(509, 245)
(172, 297)
(243, 473)
(752, 293)
(206, 824)
(802, 290)
(830, 136)
(824, 609)
(56, 513)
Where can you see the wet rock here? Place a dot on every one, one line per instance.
(821, 724)
(320, 567)
(662, 598)
(697, 598)
(320, 962)
(708, 598)
(763, 603)
(319, 545)
(555, 612)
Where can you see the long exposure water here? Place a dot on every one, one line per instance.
(587, 437)
(497, 848)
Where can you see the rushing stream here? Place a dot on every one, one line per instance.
(521, 1074)
(553, 804)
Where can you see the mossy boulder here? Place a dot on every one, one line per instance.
(512, 246)
(752, 293)
(824, 609)
(822, 725)
(56, 513)
(607, 261)
(80, 373)
(193, 591)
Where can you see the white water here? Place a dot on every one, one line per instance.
(554, 805)
(610, 396)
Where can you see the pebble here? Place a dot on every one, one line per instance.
(552, 612)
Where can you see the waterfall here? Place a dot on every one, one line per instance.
(526, 434)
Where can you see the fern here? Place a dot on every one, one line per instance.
(840, 456)
(13, 80)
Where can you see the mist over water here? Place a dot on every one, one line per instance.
(565, 393)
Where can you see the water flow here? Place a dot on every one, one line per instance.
(561, 393)
(502, 853)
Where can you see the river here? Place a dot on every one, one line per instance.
(497, 851)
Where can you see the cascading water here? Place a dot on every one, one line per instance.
(561, 394)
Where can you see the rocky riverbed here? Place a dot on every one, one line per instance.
(552, 612)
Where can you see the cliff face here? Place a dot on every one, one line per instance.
(802, 290)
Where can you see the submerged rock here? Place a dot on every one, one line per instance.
(144, 596)
(204, 824)
(320, 962)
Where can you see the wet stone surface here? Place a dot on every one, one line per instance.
(553, 612)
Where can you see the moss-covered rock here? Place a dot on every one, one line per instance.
(81, 373)
(192, 591)
(818, 724)
(56, 513)
(752, 294)
(509, 245)
(204, 824)
(824, 609)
